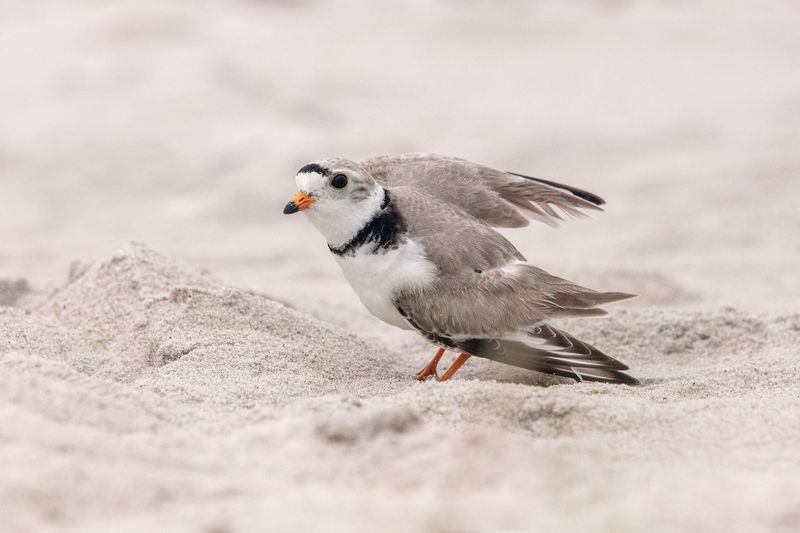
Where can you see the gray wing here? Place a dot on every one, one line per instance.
(483, 286)
(487, 301)
(498, 302)
(501, 315)
(502, 199)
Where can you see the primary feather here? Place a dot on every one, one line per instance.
(501, 199)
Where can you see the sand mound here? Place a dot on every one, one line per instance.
(138, 318)
(143, 393)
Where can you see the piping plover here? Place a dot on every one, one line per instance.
(414, 236)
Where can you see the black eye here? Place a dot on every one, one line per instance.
(338, 181)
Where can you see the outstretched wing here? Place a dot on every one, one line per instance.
(502, 199)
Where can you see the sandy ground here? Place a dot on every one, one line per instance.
(230, 380)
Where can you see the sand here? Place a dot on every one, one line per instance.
(223, 377)
(144, 394)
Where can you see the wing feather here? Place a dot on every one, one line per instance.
(549, 350)
(501, 199)
(499, 301)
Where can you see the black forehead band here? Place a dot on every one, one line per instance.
(314, 168)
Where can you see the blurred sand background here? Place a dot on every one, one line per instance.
(231, 381)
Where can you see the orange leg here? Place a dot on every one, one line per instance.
(430, 369)
(460, 360)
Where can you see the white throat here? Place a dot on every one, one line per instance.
(339, 221)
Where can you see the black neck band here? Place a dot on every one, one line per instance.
(385, 229)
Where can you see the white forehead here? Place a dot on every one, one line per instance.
(309, 181)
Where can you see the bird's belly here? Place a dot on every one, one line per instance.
(377, 277)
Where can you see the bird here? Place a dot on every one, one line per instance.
(414, 235)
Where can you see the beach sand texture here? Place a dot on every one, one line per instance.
(223, 376)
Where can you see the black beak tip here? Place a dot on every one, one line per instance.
(290, 208)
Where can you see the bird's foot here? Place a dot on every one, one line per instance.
(430, 369)
(427, 372)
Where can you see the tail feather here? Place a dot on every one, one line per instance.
(578, 301)
(601, 298)
(577, 312)
(551, 351)
(586, 298)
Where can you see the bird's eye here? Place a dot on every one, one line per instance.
(338, 181)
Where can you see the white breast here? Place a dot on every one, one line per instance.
(376, 277)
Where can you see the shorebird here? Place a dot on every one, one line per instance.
(414, 236)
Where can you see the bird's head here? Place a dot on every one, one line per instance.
(339, 197)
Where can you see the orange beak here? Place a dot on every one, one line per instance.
(300, 201)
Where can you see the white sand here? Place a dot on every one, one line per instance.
(141, 393)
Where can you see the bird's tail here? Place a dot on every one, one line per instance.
(546, 349)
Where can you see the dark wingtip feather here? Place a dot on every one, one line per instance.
(580, 193)
(613, 376)
(559, 354)
(630, 380)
